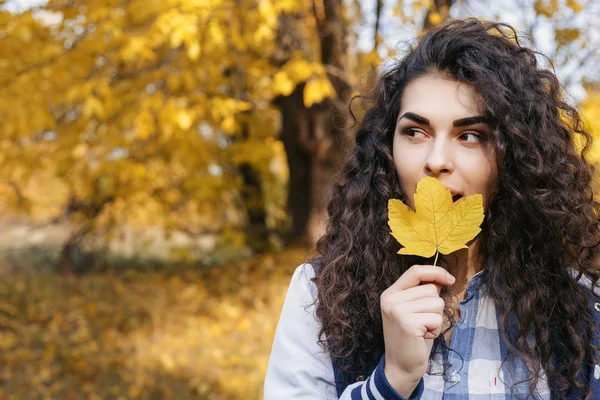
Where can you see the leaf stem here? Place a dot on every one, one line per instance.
(437, 253)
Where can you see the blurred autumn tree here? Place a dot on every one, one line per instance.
(183, 114)
(591, 110)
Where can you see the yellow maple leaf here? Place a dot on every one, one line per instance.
(438, 225)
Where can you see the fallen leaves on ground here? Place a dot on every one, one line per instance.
(143, 335)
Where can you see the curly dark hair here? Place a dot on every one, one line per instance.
(542, 219)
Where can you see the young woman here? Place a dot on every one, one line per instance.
(513, 316)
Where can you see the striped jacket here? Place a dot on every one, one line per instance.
(299, 368)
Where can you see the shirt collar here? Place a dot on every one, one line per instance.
(478, 279)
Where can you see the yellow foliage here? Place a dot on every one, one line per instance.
(299, 69)
(193, 50)
(282, 84)
(574, 5)
(184, 119)
(435, 18)
(591, 112)
(24, 33)
(294, 72)
(546, 8)
(417, 6)
(137, 51)
(80, 150)
(144, 124)
(566, 35)
(93, 108)
(437, 226)
(289, 6)
(317, 90)
(229, 125)
(113, 95)
(180, 333)
(139, 102)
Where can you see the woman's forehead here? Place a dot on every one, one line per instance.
(434, 95)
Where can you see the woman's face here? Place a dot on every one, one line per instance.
(441, 132)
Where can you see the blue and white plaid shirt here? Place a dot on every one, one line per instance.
(477, 354)
(299, 369)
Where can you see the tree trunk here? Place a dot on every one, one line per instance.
(314, 138)
(294, 127)
(71, 245)
(254, 202)
(252, 194)
(89, 211)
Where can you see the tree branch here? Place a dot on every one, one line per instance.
(377, 22)
(316, 15)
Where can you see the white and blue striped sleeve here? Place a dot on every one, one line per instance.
(377, 387)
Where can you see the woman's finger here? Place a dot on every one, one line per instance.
(418, 274)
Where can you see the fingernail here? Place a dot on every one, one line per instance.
(450, 277)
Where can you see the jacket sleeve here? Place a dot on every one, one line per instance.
(298, 366)
(377, 387)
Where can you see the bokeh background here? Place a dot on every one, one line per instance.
(164, 167)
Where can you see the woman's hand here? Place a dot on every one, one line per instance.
(412, 316)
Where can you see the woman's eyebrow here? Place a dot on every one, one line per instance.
(459, 122)
(414, 117)
(470, 121)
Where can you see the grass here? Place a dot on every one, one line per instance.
(161, 333)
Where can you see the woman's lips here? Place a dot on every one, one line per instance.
(456, 197)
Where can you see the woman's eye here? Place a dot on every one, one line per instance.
(414, 133)
(471, 137)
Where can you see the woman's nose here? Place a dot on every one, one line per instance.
(440, 159)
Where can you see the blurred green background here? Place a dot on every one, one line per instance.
(164, 167)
